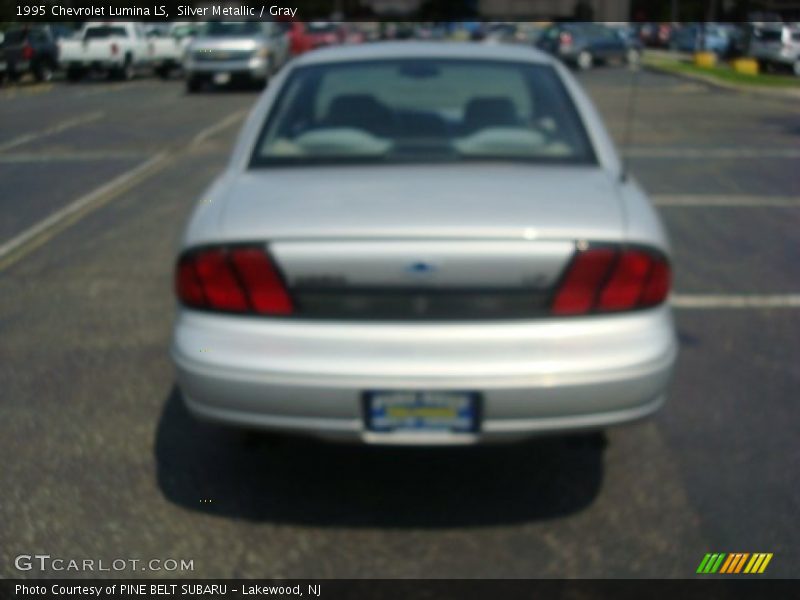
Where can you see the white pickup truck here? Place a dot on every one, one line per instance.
(117, 49)
(169, 49)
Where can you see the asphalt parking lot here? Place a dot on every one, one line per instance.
(100, 459)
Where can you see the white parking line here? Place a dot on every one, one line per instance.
(72, 156)
(64, 125)
(36, 235)
(104, 88)
(713, 152)
(715, 301)
(724, 200)
(217, 127)
(105, 191)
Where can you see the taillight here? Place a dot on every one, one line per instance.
(114, 49)
(565, 38)
(265, 290)
(240, 279)
(578, 290)
(606, 279)
(27, 51)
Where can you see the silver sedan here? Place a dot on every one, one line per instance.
(424, 243)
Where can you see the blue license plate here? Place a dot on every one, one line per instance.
(432, 411)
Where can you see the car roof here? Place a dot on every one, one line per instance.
(402, 50)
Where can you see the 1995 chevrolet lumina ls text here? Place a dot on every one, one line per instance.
(422, 243)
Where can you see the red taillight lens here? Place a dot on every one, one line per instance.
(187, 284)
(626, 283)
(239, 279)
(219, 282)
(577, 292)
(114, 49)
(565, 38)
(27, 52)
(658, 283)
(606, 280)
(264, 287)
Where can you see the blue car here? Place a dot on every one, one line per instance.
(716, 38)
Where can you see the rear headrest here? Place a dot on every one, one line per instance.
(489, 111)
(362, 111)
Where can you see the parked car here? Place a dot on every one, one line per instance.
(584, 44)
(317, 34)
(116, 49)
(630, 37)
(776, 45)
(352, 33)
(324, 33)
(710, 37)
(169, 50)
(3, 64)
(501, 33)
(30, 49)
(424, 243)
(299, 40)
(656, 35)
(228, 51)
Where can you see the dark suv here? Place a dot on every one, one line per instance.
(585, 44)
(30, 50)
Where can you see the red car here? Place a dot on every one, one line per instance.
(307, 36)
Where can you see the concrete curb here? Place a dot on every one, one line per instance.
(775, 93)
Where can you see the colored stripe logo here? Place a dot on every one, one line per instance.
(734, 563)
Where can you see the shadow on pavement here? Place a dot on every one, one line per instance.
(260, 477)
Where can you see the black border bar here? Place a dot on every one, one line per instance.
(51, 11)
(706, 588)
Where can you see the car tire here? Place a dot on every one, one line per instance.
(124, 73)
(193, 84)
(43, 71)
(584, 60)
(163, 72)
(128, 70)
(74, 75)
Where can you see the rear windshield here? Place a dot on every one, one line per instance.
(231, 28)
(422, 110)
(94, 33)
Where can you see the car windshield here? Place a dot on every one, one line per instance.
(231, 28)
(104, 32)
(422, 110)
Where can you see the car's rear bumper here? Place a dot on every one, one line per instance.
(533, 377)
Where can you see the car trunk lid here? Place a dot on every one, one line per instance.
(423, 242)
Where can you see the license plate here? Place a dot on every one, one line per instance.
(395, 411)
(222, 78)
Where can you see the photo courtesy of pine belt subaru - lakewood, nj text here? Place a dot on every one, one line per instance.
(422, 243)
